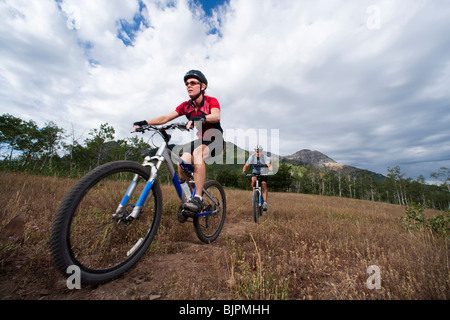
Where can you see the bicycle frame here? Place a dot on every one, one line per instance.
(258, 187)
(163, 155)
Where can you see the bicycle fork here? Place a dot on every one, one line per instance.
(119, 214)
(259, 196)
(257, 187)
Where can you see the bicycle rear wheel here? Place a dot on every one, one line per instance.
(257, 209)
(86, 235)
(209, 226)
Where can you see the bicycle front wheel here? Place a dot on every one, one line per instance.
(209, 223)
(86, 234)
(256, 205)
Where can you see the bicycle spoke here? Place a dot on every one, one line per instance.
(98, 241)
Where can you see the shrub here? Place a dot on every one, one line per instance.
(416, 220)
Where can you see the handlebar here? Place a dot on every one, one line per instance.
(161, 128)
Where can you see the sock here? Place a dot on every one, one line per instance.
(201, 198)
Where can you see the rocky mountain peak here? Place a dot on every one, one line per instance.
(309, 158)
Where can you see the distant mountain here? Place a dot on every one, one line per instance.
(308, 158)
(316, 159)
(304, 158)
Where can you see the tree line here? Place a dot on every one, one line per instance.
(395, 188)
(51, 150)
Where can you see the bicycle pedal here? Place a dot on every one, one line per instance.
(180, 216)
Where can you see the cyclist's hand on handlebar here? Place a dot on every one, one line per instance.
(195, 121)
(142, 126)
(138, 124)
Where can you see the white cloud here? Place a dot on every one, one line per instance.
(369, 97)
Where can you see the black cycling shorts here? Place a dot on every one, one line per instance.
(263, 178)
(215, 148)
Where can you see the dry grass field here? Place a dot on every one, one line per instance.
(305, 247)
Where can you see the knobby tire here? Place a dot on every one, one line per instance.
(84, 233)
(208, 227)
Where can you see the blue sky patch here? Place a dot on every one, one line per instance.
(209, 5)
(128, 29)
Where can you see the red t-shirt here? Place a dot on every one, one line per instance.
(187, 109)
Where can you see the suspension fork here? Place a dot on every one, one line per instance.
(132, 187)
(121, 208)
(259, 188)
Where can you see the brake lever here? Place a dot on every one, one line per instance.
(142, 128)
(180, 126)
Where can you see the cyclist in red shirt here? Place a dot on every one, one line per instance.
(203, 112)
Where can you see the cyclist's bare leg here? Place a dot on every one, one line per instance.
(265, 192)
(187, 158)
(253, 182)
(198, 157)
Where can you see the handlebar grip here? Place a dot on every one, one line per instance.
(141, 123)
(144, 127)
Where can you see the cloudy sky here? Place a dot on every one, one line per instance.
(365, 82)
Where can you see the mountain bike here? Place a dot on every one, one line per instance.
(257, 199)
(110, 217)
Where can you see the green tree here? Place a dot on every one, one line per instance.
(11, 130)
(96, 144)
(282, 180)
(51, 139)
(443, 175)
(395, 179)
(228, 178)
(136, 148)
(29, 142)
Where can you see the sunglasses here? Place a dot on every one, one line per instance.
(192, 83)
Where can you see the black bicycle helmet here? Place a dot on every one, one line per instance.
(196, 75)
(200, 77)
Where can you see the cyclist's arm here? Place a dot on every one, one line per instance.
(267, 162)
(163, 119)
(250, 161)
(214, 116)
(158, 120)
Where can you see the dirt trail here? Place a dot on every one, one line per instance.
(194, 271)
(177, 265)
(305, 247)
(167, 276)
